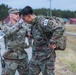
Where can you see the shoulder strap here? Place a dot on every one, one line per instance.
(42, 32)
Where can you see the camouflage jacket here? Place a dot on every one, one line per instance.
(39, 40)
(15, 35)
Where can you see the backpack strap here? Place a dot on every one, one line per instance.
(42, 32)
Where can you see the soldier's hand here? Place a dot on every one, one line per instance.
(53, 46)
(19, 24)
(28, 34)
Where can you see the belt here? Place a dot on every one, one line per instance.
(14, 59)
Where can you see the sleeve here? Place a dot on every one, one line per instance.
(43, 22)
(57, 33)
(10, 30)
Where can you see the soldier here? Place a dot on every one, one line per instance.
(15, 57)
(43, 52)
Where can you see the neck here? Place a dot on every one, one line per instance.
(33, 19)
(33, 16)
(13, 21)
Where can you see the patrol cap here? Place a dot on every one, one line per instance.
(12, 11)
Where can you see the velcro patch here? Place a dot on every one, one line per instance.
(45, 22)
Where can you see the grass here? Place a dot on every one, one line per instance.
(71, 28)
(68, 58)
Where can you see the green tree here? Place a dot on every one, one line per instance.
(58, 13)
(3, 11)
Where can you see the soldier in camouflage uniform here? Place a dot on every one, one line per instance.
(15, 57)
(43, 54)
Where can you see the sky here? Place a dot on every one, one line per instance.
(57, 4)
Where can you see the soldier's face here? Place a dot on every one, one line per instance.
(27, 19)
(15, 16)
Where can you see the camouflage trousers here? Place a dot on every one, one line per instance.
(12, 65)
(46, 66)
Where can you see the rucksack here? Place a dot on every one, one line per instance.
(61, 42)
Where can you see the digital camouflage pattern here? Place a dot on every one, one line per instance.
(43, 57)
(15, 53)
(13, 65)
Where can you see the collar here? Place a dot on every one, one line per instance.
(34, 21)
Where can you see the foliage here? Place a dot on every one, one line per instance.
(58, 13)
(3, 11)
(43, 11)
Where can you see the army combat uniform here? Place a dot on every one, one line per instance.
(43, 57)
(15, 57)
